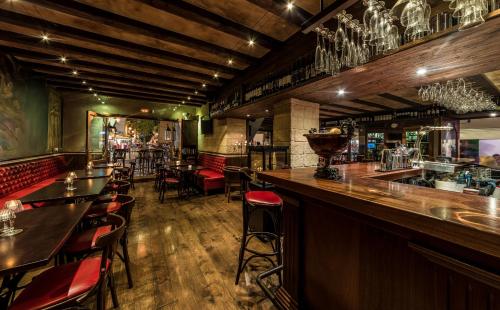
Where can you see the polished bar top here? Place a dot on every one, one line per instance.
(468, 220)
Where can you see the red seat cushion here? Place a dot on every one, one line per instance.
(210, 174)
(102, 209)
(58, 284)
(85, 240)
(171, 180)
(265, 198)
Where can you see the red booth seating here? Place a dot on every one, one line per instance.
(213, 176)
(22, 178)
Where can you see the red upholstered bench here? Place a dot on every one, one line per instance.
(22, 178)
(212, 177)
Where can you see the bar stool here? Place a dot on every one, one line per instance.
(271, 204)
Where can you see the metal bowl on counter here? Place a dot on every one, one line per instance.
(328, 144)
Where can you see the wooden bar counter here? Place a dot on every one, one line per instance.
(369, 243)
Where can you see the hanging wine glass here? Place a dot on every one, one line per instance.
(339, 33)
(317, 54)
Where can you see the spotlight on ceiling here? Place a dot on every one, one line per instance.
(216, 75)
(90, 88)
(45, 37)
(74, 72)
(340, 92)
(251, 42)
(84, 82)
(203, 85)
(229, 61)
(196, 92)
(289, 6)
(421, 71)
(63, 59)
(493, 114)
(95, 94)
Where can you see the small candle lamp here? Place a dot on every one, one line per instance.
(178, 163)
(72, 175)
(8, 216)
(89, 168)
(69, 183)
(190, 167)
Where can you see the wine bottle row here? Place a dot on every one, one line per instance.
(431, 112)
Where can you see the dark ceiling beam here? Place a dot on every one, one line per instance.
(31, 47)
(83, 68)
(346, 107)
(95, 79)
(326, 14)
(296, 16)
(209, 19)
(401, 100)
(332, 113)
(140, 90)
(108, 93)
(135, 27)
(484, 83)
(17, 22)
(98, 89)
(371, 104)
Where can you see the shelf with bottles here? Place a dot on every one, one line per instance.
(223, 104)
(300, 72)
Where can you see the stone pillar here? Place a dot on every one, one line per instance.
(292, 119)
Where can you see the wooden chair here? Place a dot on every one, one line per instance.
(69, 285)
(231, 180)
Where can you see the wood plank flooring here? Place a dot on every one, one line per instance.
(184, 255)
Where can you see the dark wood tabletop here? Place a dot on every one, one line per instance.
(94, 174)
(57, 191)
(45, 230)
(98, 166)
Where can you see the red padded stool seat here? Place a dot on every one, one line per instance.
(85, 240)
(58, 284)
(265, 198)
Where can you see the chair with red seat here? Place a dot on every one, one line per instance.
(169, 179)
(67, 286)
(83, 243)
(254, 202)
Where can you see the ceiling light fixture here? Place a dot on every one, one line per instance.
(203, 85)
(230, 61)
(84, 82)
(90, 89)
(183, 101)
(493, 114)
(63, 59)
(45, 37)
(95, 95)
(421, 71)
(196, 92)
(289, 6)
(189, 97)
(251, 42)
(74, 72)
(340, 92)
(216, 75)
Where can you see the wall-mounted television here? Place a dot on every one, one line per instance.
(207, 127)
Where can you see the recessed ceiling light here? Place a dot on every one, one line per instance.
(84, 82)
(421, 71)
(189, 97)
(90, 88)
(340, 92)
(45, 37)
(493, 114)
(95, 95)
(63, 59)
(74, 72)
(230, 61)
(183, 101)
(251, 42)
(289, 6)
(216, 75)
(196, 92)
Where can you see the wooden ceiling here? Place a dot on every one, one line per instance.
(168, 51)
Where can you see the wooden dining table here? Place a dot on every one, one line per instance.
(84, 188)
(92, 174)
(45, 230)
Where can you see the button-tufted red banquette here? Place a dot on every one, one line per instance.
(212, 177)
(22, 178)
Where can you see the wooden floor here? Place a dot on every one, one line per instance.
(184, 255)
